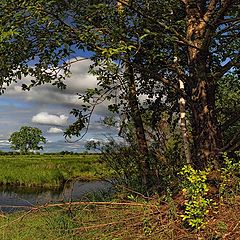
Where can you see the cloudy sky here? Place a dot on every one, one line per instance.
(47, 108)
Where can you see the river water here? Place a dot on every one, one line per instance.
(17, 198)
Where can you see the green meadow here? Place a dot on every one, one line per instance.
(49, 170)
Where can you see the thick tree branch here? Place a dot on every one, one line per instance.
(210, 10)
(232, 27)
(225, 68)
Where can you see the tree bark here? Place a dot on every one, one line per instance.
(183, 126)
(136, 116)
(206, 135)
(182, 110)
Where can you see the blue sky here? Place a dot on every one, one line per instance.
(47, 108)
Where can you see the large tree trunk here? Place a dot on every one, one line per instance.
(201, 86)
(136, 117)
(206, 135)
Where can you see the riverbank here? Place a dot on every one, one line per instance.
(49, 171)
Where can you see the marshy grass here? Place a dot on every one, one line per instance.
(49, 170)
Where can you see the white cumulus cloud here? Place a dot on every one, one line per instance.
(50, 119)
(55, 130)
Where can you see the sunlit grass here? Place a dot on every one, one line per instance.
(49, 170)
(78, 222)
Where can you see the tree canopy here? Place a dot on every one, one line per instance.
(165, 50)
(27, 139)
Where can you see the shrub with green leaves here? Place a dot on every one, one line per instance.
(196, 202)
(230, 178)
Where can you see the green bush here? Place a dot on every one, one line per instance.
(195, 191)
(230, 175)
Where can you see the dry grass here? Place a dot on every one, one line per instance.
(119, 221)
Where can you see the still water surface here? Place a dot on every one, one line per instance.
(17, 198)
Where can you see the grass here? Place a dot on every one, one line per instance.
(78, 222)
(110, 221)
(49, 170)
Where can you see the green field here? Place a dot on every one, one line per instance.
(49, 170)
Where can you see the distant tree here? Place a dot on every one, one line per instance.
(27, 139)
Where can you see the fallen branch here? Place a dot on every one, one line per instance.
(75, 204)
(91, 203)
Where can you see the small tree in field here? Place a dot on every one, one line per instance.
(27, 139)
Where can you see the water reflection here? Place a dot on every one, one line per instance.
(19, 198)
